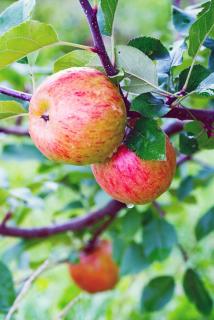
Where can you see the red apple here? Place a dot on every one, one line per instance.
(77, 116)
(96, 270)
(131, 180)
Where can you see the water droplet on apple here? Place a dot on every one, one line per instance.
(130, 206)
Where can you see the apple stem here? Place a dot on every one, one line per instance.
(16, 94)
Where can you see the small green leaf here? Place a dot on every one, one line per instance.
(188, 143)
(185, 188)
(196, 292)
(199, 73)
(200, 30)
(133, 260)
(207, 86)
(138, 67)
(205, 224)
(147, 140)
(157, 293)
(182, 20)
(159, 238)
(152, 47)
(10, 108)
(106, 14)
(15, 14)
(24, 39)
(7, 292)
(149, 106)
(196, 129)
(76, 58)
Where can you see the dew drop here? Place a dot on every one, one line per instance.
(130, 206)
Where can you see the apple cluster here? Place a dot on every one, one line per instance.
(78, 116)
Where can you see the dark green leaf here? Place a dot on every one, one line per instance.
(159, 237)
(152, 47)
(205, 224)
(188, 143)
(200, 30)
(196, 129)
(196, 292)
(21, 152)
(199, 73)
(147, 140)
(119, 246)
(133, 260)
(185, 188)
(7, 292)
(157, 293)
(182, 20)
(106, 15)
(207, 86)
(149, 106)
(15, 14)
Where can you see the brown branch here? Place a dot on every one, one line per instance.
(16, 130)
(75, 224)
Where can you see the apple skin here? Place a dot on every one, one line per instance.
(77, 116)
(131, 180)
(96, 270)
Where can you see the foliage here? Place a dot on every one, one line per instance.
(154, 253)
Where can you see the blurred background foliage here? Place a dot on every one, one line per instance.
(39, 192)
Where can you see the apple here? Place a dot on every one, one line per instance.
(131, 180)
(77, 116)
(96, 271)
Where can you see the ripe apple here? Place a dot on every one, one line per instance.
(96, 271)
(131, 180)
(77, 116)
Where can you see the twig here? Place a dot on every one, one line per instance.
(7, 217)
(67, 308)
(75, 224)
(25, 289)
(16, 94)
(16, 130)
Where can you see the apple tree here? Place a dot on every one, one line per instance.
(132, 236)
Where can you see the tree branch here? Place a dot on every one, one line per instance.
(75, 224)
(91, 14)
(17, 131)
(16, 94)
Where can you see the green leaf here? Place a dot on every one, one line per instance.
(10, 108)
(24, 39)
(22, 152)
(159, 238)
(15, 14)
(196, 292)
(147, 140)
(106, 14)
(199, 73)
(182, 20)
(157, 293)
(138, 67)
(7, 292)
(185, 188)
(205, 224)
(131, 223)
(207, 86)
(152, 47)
(200, 30)
(133, 260)
(76, 58)
(74, 257)
(149, 106)
(196, 129)
(188, 143)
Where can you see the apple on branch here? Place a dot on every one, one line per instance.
(77, 116)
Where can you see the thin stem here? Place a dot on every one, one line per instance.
(17, 131)
(74, 45)
(16, 94)
(25, 289)
(68, 308)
